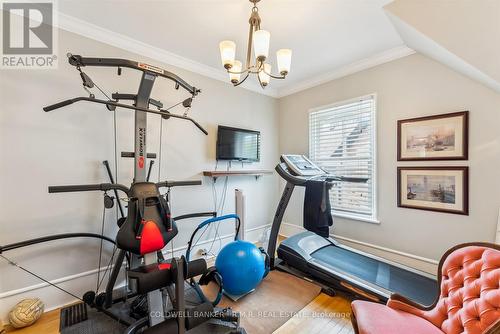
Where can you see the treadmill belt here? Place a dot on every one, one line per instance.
(411, 285)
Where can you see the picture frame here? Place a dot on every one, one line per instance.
(441, 189)
(436, 137)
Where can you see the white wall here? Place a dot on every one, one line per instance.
(409, 87)
(67, 146)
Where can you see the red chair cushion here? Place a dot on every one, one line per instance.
(373, 318)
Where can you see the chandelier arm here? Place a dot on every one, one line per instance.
(255, 69)
(275, 76)
(241, 72)
(261, 66)
(271, 75)
(242, 81)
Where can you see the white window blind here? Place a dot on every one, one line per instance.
(342, 141)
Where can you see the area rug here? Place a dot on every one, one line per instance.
(273, 303)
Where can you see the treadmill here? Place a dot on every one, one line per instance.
(332, 265)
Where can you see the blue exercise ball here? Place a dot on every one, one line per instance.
(242, 267)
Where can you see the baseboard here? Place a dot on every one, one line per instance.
(288, 229)
(415, 261)
(79, 283)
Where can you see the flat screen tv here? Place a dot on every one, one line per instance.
(237, 144)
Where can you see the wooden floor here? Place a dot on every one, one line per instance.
(324, 315)
(47, 324)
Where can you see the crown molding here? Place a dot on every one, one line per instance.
(92, 31)
(360, 65)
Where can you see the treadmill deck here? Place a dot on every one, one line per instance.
(307, 251)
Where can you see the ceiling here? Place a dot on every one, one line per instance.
(325, 35)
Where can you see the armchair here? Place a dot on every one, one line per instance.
(468, 300)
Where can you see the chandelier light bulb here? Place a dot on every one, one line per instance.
(227, 53)
(284, 58)
(235, 77)
(264, 75)
(261, 39)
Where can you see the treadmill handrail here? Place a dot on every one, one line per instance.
(283, 170)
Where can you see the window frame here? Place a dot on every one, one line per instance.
(353, 216)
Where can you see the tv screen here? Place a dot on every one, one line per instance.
(237, 144)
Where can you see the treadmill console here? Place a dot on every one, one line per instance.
(301, 166)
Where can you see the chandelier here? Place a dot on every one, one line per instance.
(258, 40)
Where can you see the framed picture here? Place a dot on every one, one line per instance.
(438, 137)
(443, 189)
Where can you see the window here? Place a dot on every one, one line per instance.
(342, 141)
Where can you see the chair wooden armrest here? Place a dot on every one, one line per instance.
(403, 299)
(494, 328)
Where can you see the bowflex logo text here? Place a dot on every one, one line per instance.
(28, 35)
(142, 140)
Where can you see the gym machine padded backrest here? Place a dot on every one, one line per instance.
(149, 226)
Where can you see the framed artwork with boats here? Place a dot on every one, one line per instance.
(443, 189)
(437, 137)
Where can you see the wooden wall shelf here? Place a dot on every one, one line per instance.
(245, 172)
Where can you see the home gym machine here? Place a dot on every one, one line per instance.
(332, 265)
(148, 225)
